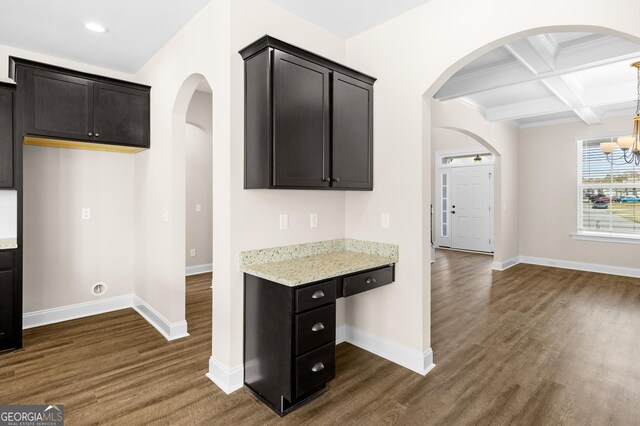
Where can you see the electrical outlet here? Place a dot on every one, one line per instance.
(198, 208)
(86, 213)
(192, 252)
(385, 221)
(284, 221)
(313, 220)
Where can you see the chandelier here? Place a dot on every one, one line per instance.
(630, 145)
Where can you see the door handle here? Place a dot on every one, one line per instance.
(453, 212)
(318, 367)
(318, 327)
(370, 280)
(318, 294)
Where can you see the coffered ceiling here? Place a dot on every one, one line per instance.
(550, 78)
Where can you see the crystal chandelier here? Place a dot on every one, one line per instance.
(630, 145)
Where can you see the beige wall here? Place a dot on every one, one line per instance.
(63, 254)
(548, 195)
(199, 182)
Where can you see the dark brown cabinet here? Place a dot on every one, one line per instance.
(290, 335)
(10, 321)
(6, 136)
(62, 104)
(308, 120)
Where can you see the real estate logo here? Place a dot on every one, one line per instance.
(31, 415)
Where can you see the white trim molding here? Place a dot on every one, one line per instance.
(170, 330)
(420, 362)
(227, 379)
(198, 269)
(582, 266)
(606, 238)
(503, 266)
(79, 310)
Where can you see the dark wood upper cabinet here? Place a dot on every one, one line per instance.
(61, 104)
(301, 122)
(308, 120)
(6, 136)
(121, 114)
(352, 130)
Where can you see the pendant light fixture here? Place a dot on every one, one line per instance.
(630, 145)
(477, 158)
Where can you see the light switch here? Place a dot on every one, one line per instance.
(284, 221)
(165, 215)
(192, 252)
(86, 213)
(313, 220)
(198, 208)
(384, 220)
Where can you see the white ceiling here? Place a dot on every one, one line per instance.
(549, 79)
(136, 28)
(346, 18)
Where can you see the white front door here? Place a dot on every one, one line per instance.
(470, 210)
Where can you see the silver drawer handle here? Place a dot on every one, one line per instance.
(318, 367)
(370, 281)
(318, 327)
(318, 294)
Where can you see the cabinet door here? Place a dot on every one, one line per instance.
(6, 138)
(7, 309)
(352, 131)
(58, 105)
(121, 115)
(301, 123)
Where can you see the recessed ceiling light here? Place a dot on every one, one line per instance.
(96, 28)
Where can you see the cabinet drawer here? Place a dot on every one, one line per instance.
(315, 369)
(315, 328)
(6, 260)
(315, 295)
(358, 283)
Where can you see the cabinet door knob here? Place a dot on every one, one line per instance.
(325, 179)
(336, 180)
(318, 367)
(370, 280)
(90, 134)
(318, 294)
(97, 135)
(318, 327)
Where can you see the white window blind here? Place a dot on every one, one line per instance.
(608, 194)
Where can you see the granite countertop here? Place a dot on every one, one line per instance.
(306, 263)
(8, 243)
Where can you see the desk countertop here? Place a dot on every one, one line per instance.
(342, 257)
(8, 243)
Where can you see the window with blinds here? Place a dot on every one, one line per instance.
(608, 194)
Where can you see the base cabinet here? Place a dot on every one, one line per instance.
(10, 303)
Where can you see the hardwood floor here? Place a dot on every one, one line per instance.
(530, 345)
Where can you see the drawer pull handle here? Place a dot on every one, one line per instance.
(370, 280)
(318, 327)
(318, 367)
(318, 294)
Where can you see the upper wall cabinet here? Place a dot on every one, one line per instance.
(65, 108)
(308, 120)
(6, 135)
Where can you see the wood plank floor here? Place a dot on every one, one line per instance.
(531, 345)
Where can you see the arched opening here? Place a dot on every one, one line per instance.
(507, 195)
(192, 148)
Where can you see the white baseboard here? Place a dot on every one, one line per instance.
(503, 266)
(582, 266)
(79, 310)
(171, 331)
(420, 362)
(198, 269)
(229, 380)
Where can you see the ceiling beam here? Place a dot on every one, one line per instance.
(594, 53)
